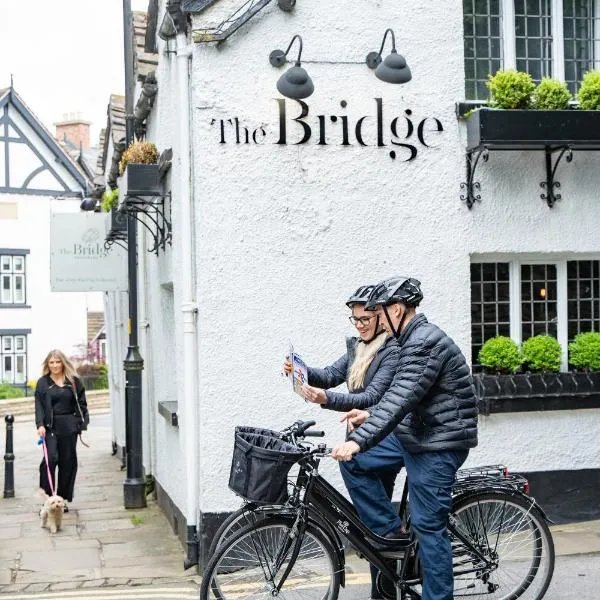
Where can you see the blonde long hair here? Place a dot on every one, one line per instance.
(365, 353)
(69, 370)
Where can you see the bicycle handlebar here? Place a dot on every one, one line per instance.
(314, 433)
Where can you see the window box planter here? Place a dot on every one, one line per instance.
(524, 392)
(140, 182)
(498, 129)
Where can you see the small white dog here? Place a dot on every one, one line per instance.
(51, 513)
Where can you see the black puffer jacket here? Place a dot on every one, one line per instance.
(431, 401)
(378, 377)
(44, 415)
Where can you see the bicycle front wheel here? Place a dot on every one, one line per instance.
(264, 557)
(507, 552)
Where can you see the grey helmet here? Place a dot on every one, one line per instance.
(360, 296)
(395, 289)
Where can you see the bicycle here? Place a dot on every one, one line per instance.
(502, 547)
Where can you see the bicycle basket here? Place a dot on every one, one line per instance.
(260, 465)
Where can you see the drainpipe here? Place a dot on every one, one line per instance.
(188, 307)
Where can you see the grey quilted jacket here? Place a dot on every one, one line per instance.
(431, 402)
(378, 377)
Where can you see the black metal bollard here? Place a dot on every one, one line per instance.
(9, 460)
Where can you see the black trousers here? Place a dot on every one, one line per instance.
(62, 455)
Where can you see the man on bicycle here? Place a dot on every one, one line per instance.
(431, 407)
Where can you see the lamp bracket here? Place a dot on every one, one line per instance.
(550, 197)
(277, 58)
(373, 60)
(471, 186)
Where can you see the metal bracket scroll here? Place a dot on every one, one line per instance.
(471, 186)
(550, 184)
(152, 214)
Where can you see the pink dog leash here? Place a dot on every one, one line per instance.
(52, 488)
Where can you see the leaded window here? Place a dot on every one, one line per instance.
(538, 300)
(581, 26)
(533, 37)
(482, 21)
(490, 304)
(521, 298)
(583, 286)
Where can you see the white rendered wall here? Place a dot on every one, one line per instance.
(162, 359)
(285, 232)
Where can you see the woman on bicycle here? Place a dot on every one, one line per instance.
(367, 368)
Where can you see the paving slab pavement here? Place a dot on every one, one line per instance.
(101, 544)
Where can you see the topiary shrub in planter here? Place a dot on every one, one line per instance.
(542, 353)
(589, 91)
(584, 351)
(510, 89)
(551, 94)
(500, 355)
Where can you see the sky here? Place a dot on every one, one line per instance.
(66, 56)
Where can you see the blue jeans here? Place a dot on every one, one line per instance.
(430, 479)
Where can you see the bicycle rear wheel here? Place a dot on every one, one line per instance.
(251, 563)
(513, 536)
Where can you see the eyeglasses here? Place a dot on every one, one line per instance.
(364, 321)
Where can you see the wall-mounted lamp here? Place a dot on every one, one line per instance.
(394, 68)
(295, 82)
(88, 204)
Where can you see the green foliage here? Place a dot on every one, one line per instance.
(584, 351)
(110, 200)
(137, 520)
(542, 353)
(140, 153)
(510, 89)
(102, 381)
(10, 391)
(589, 91)
(500, 355)
(551, 94)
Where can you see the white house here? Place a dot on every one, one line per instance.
(37, 178)
(280, 208)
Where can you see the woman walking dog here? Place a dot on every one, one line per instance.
(61, 414)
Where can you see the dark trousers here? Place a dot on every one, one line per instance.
(62, 454)
(430, 479)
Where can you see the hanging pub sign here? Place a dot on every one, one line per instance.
(79, 262)
(403, 135)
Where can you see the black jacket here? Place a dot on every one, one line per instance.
(43, 405)
(378, 377)
(431, 401)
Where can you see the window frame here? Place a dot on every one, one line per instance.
(557, 61)
(9, 351)
(514, 289)
(12, 296)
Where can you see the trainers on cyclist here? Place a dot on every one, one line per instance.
(397, 534)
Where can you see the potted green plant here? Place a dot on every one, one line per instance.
(110, 203)
(140, 176)
(584, 351)
(551, 94)
(509, 124)
(589, 91)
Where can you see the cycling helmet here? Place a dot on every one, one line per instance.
(360, 296)
(395, 289)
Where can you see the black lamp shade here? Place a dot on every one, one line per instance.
(393, 69)
(88, 204)
(295, 83)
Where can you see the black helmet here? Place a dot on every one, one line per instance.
(395, 289)
(360, 296)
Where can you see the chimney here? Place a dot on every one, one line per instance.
(74, 130)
